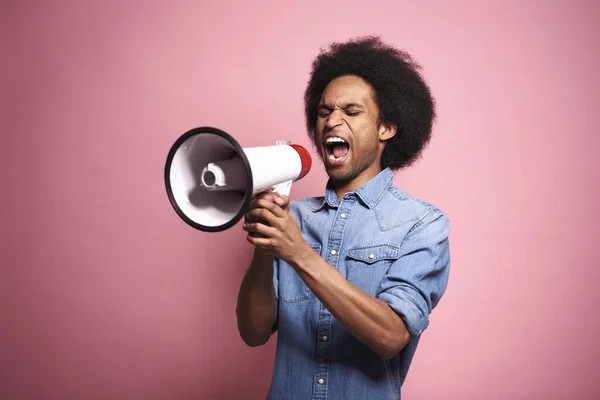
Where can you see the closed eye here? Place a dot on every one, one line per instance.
(351, 110)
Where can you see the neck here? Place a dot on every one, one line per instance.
(341, 188)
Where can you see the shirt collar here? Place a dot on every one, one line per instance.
(370, 193)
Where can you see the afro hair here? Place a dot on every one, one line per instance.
(402, 95)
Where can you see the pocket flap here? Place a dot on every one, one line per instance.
(371, 254)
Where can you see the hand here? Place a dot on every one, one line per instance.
(267, 196)
(271, 226)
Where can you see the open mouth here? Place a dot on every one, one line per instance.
(337, 148)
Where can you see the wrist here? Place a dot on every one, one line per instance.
(302, 256)
(261, 253)
(262, 260)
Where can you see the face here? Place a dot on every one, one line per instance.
(349, 136)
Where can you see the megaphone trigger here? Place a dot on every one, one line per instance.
(283, 188)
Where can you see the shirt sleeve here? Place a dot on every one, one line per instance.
(276, 287)
(276, 277)
(417, 280)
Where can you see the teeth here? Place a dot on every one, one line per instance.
(335, 140)
(333, 158)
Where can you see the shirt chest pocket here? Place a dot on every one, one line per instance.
(368, 265)
(292, 288)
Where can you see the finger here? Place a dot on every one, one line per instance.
(262, 215)
(261, 229)
(266, 195)
(256, 204)
(269, 205)
(270, 196)
(260, 242)
(283, 201)
(261, 201)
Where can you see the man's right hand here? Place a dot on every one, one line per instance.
(261, 200)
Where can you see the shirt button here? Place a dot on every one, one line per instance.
(343, 215)
(333, 252)
(371, 256)
(324, 338)
(321, 381)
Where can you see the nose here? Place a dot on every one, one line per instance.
(334, 119)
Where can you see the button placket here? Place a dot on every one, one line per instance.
(324, 338)
(339, 224)
(323, 352)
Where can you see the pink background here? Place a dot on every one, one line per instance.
(106, 293)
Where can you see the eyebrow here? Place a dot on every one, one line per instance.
(348, 105)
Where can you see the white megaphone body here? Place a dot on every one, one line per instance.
(210, 179)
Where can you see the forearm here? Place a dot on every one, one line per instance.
(257, 305)
(367, 318)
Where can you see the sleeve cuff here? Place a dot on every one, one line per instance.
(416, 322)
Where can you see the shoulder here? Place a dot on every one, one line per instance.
(399, 208)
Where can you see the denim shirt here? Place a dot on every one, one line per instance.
(385, 242)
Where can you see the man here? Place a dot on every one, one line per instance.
(349, 279)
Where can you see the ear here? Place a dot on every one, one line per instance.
(386, 132)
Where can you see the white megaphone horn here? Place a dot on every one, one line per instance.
(210, 179)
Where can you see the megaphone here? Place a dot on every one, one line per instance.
(210, 179)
